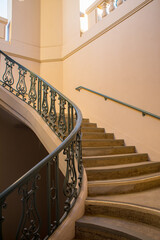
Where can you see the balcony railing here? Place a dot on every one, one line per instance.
(98, 10)
(36, 209)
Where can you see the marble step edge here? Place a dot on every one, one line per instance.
(128, 211)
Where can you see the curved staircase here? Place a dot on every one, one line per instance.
(123, 190)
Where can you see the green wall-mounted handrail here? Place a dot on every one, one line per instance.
(120, 102)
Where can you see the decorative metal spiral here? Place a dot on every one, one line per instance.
(29, 225)
(32, 92)
(7, 77)
(21, 85)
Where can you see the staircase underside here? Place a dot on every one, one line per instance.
(123, 189)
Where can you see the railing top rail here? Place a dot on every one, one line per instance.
(62, 146)
(144, 112)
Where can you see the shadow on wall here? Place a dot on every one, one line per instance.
(20, 150)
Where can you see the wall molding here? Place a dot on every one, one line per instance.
(22, 57)
(87, 42)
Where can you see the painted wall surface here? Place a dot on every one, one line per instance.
(25, 34)
(51, 42)
(52, 72)
(124, 64)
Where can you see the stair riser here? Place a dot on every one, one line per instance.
(107, 151)
(92, 130)
(121, 188)
(118, 173)
(124, 212)
(97, 136)
(90, 125)
(84, 120)
(101, 161)
(102, 143)
(95, 233)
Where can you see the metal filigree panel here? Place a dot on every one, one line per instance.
(61, 120)
(21, 85)
(45, 102)
(52, 112)
(32, 92)
(70, 181)
(30, 222)
(8, 78)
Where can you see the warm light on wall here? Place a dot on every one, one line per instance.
(84, 23)
(84, 4)
(99, 14)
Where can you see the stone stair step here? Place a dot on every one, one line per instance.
(124, 185)
(149, 198)
(114, 160)
(101, 151)
(85, 120)
(97, 135)
(89, 125)
(92, 130)
(100, 228)
(102, 142)
(122, 171)
(128, 211)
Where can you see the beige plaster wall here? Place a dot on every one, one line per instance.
(122, 63)
(51, 42)
(52, 72)
(25, 34)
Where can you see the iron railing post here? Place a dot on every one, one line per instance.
(57, 190)
(49, 197)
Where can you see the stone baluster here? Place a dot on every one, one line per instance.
(111, 5)
(104, 8)
(119, 2)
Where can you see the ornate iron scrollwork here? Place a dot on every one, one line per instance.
(70, 181)
(8, 78)
(21, 85)
(45, 102)
(52, 112)
(79, 157)
(32, 92)
(61, 120)
(39, 103)
(30, 221)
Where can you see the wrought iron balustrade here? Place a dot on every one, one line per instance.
(64, 118)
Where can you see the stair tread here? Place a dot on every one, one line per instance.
(148, 198)
(121, 166)
(102, 140)
(83, 127)
(99, 133)
(114, 156)
(107, 147)
(139, 230)
(125, 180)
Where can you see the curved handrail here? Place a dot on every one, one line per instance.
(63, 126)
(120, 102)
